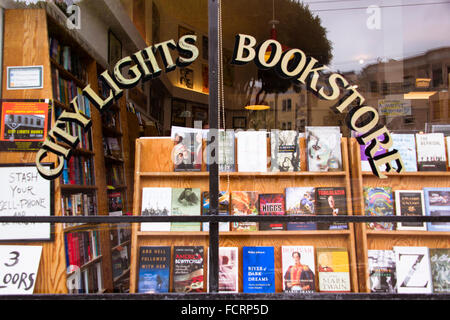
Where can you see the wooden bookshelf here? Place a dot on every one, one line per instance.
(385, 240)
(155, 169)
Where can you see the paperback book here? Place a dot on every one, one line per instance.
(333, 202)
(252, 151)
(382, 272)
(431, 152)
(378, 201)
(188, 268)
(413, 269)
(300, 201)
(244, 203)
(440, 269)
(410, 203)
(224, 207)
(228, 269)
(406, 145)
(187, 151)
(271, 204)
(186, 202)
(285, 150)
(298, 269)
(323, 146)
(437, 203)
(156, 202)
(115, 204)
(226, 151)
(258, 269)
(154, 269)
(333, 269)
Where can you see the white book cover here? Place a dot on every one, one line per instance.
(156, 202)
(447, 140)
(323, 148)
(228, 269)
(406, 145)
(413, 269)
(298, 268)
(431, 151)
(410, 203)
(252, 151)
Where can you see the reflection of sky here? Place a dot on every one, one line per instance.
(408, 28)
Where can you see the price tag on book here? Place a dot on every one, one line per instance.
(18, 269)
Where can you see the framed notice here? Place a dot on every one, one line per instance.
(24, 124)
(24, 193)
(25, 77)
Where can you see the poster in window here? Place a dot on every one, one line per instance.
(24, 124)
(187, 77)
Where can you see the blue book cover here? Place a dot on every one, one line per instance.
(437, 203)
(154, 269)
(301, 201)
(406, 146)
(258, 269)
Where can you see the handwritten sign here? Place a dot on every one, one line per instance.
(23, 192)
(18, 269)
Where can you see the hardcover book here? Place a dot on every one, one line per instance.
(188, 268)
(156, 202)
(244, 203)
(187, 151)
(285, 150)
(300, 201)
(378, 201)
(258, 269)
(410, 203)
(228, 269)
(271, 204)
(382, 274)
(440, 266)
(115, 204)
(333, 269)
(186, 202)
(413, 269)
(333, 202)
(154, 269)
(298, 269)
(226, 151)
(437, 203)
(431, 152)
(405, 143)
(323, 145)
(224, 207)
(252, 151)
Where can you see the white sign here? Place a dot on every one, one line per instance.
(18, 269)
(23, 192)
(22, 78)
(394, 107)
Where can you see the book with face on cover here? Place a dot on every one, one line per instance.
(228, 269)
(188, 268)
(382, 274)
(323, 145)
(440, 269)
(244, 203)
(333, 269)
(379, 201)
(187, 150)
(156, 202)
(301, 201)
(431, 152)
(252, 151)
(271, 204)
(285, 150)
(410, 203)
(154, 269)
(437, 203)
(186, 202)
(413, 269)
(258, 271)
(331, 201)
(298, 269)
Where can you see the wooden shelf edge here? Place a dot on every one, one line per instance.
(67, 73)
(408, 233)
(122, 275)
(409, 174)
(286, 233)
(240, 174)
(125, 243)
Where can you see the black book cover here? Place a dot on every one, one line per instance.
(271, 205)
(331, 201)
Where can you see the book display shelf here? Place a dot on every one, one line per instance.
(387, 239)
(154, 168)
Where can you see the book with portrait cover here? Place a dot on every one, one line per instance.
(431, 152)
(188, 268)
(331, 201)
(300, 201)
(285, 150)
(437, 203)
(323, 148)
(187, 151)
(186, 202)
(413, 269)
(382, 274)
(228, 270)
(410, 203)
(252, 151)
(271, 204)
(333, 269)
(405, 143)
(156, 202)
(258, 269)
(378, 201)
(224, 207)
(298, 268)
(244, 203)
(154, 269)
(440, 268)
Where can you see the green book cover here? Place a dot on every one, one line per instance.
(186, 202)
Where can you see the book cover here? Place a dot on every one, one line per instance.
(333, 269)
(187, 151)
(244, 203)
(382, 273)
(154, 269)
(252, 151)
(437, 203)
(115, 204)
(378, 201)
(114, 147)
(285, 150)
(301, 201)
(226, 151)
(323, 148)
(405, 143)
(447, 142)
(410, 203)
(188, 268)
(258, 269)
(440, 269)
(431, 152)
(224, 207)
(156, 202)
(228, 269)
(271, 204)
(333, 202)
(298, 268)
(413, 269)
(186, 202)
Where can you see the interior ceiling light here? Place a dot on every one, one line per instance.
(424, 95)
(257, 107)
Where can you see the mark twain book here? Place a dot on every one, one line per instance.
(258, 269)
(333, 202)
(285, 150)
(188, 268)
(410, 203)
(154, 269)
(271, 204)
(333, 269)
